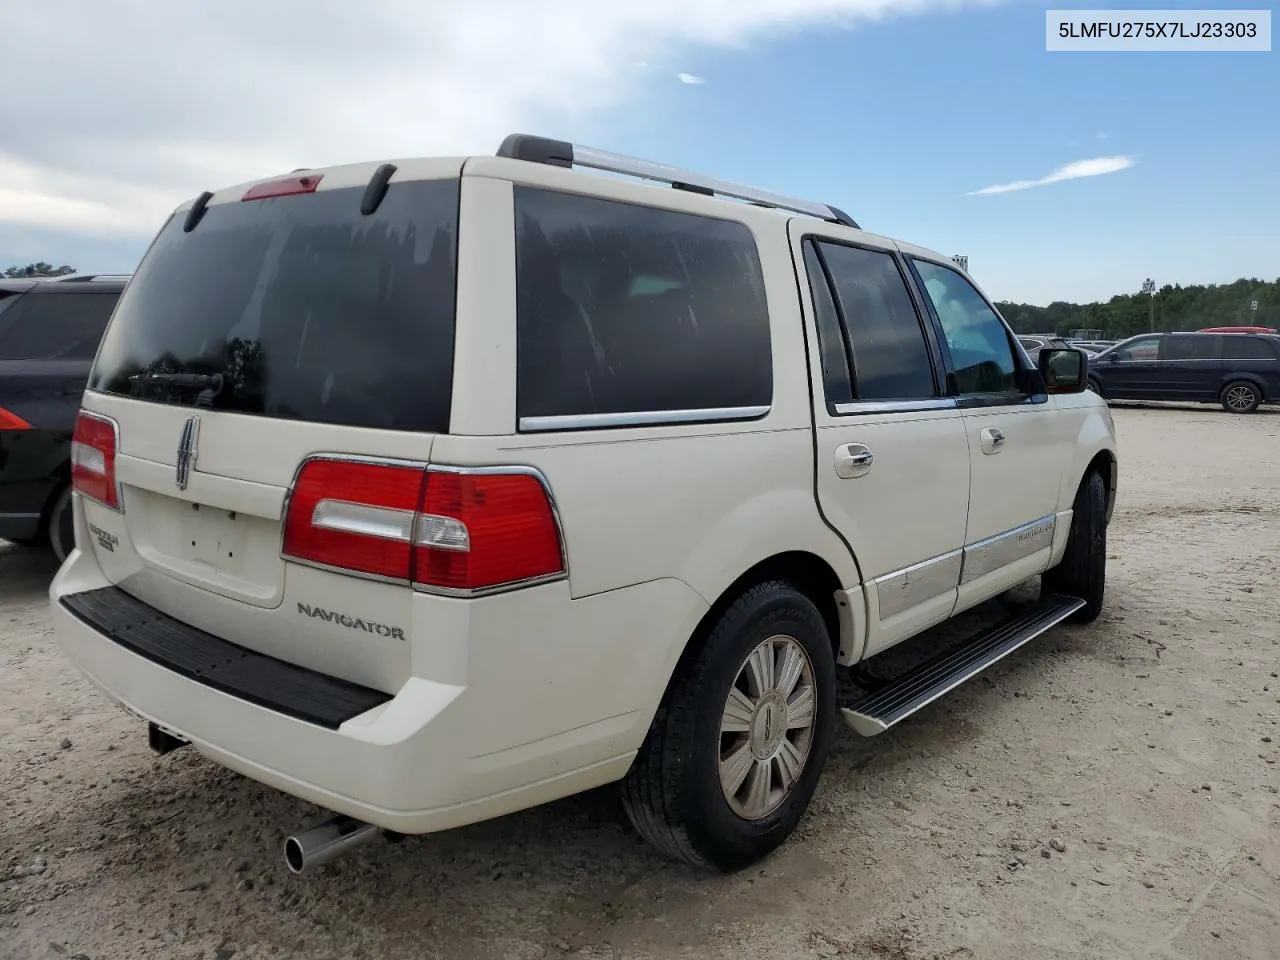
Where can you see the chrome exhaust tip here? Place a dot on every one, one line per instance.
(326, 841)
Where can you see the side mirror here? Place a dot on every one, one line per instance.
(1064, 370)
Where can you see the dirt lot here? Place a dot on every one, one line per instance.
(1107, 792)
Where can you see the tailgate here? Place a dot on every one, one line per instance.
(276, 329)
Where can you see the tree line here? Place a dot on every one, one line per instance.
(40, 269)
(1172, 307)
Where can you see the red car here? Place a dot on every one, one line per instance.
(1237, 330)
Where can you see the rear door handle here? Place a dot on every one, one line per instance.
(853, 460)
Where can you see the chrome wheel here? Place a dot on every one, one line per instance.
(767, 727)
(1240, 398)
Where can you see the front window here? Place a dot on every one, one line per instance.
(977, 338)
(1141, 350)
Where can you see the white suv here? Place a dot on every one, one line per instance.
(433, 490)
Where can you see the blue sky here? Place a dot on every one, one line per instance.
(896, 122)
(896, 119)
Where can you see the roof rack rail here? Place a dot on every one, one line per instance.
(87, 277)
(561, 153)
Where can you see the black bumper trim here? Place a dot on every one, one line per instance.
(254, 677)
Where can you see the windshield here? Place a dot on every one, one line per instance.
(299, 308)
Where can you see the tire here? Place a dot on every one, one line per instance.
(1240, 396)
(1094, 386)
(673, 793)
(62, 530)
(1083, 570)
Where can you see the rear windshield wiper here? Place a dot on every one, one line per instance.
(209, 384)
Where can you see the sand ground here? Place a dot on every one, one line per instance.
(1144, 746)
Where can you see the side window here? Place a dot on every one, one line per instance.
(1197, 347)
(1144, 349)
(624, 309)
(1247, 348)
(978, 341)
(890, 355)
(836, 379)
(65, 326)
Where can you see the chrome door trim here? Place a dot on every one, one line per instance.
(987, 556)
(640, 418)
(894, 406)
(903, 589)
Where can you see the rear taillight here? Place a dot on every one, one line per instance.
(455, 530)
(11, 421)
(93, 459)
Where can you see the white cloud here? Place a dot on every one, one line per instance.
(1103, 136)
(690, 78)
(142, 104)
(1069, 171)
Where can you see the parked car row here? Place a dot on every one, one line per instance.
(1238, 370)
(49, 332)
(1238, 367)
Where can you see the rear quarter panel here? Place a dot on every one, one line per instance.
(691, 504)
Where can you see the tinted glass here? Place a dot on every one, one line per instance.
(1248, 348)
(836, 380)
(890, 356)
(1144, 348)
(622, 309)
(1203, 347)
(308, 310)
(979, 343)
(47, 326)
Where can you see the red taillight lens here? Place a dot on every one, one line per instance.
(354, 516)
(11, 421)
(507, 520)
(93, 459)
(459, 530)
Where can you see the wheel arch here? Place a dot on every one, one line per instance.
(812, 575)
(1104, 462)
(1094, 449)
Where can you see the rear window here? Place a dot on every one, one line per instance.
(625, 309)
(1193, 347)
(1248, 348)
(54, 326)
(305, 308)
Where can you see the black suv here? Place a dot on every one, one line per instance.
(1238, 370)
(49, 333)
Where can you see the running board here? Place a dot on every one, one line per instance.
(901, 697)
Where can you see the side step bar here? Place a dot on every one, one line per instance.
(920, 686)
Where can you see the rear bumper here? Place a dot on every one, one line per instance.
(422, 761)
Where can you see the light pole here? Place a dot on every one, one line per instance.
(1149, 288)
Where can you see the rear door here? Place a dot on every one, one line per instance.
(1190, 367)
(1256, 358)
(892, 456)
(276, 328)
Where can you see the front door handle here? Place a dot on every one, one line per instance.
(992, 440)
(853, 460)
